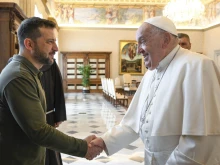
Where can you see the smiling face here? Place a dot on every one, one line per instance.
(150, 45)
(45, 46)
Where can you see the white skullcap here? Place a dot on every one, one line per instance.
(163, 23)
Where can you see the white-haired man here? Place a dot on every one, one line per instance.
(176, 109)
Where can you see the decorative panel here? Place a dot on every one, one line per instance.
(99, 61)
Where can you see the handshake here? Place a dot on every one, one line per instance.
(95, 146)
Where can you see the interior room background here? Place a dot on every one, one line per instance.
(204, 40)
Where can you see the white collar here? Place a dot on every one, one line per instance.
(166, 61)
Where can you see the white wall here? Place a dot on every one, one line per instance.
(211, 41)
(108, 40)
(96, 40)
(196, 39)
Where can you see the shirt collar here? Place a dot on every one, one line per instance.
(27, 63)
(165, 62)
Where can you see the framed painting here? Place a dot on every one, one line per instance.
(129, 60)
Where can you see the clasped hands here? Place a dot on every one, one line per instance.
(95, 146)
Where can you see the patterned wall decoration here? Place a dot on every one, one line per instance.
(68, 15)
(108, 16)
(210, 17)
(126, 16)
(137, 2)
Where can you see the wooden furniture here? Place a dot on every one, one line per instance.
(72, 79)
(11, 16)
(129, 84)
(109, 92)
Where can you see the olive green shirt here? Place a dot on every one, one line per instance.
(24, 133)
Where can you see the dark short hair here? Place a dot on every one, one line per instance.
(181, 35)
(29, 28)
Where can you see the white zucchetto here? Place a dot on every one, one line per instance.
(163, 23)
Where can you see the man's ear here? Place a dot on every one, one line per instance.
(167, 39)
(28, 43)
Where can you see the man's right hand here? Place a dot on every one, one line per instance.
(93, 150)
(98, 142)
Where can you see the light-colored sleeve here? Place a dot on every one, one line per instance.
(118, 137)
(196, 150)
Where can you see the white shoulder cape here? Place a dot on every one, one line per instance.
(187, 101)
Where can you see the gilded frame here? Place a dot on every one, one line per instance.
(129, 60)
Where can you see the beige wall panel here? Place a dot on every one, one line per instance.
(108, 40)
(211, 41)
(196, 39)
(96, 40)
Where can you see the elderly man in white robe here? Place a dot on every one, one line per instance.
(176, 109)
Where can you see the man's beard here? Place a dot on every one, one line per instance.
(41, 57)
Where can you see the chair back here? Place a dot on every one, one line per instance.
(117, 81)
(127, 79)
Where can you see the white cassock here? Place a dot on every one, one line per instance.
(179, 122)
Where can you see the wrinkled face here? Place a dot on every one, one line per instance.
(45, 46)
(185, 43)
(149, 45)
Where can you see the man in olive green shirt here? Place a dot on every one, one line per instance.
(24, 133)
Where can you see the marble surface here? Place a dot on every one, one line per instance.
(91, 114)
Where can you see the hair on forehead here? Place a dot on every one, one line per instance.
(29, 28)
(151, 29)
(156, 29)
(181, 35)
